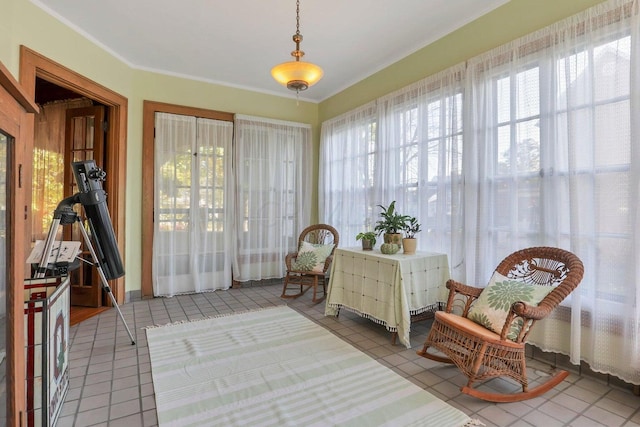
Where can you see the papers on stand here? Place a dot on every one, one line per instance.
(62, 251)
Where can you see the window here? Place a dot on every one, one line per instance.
(515, 183)
(405, 147)
(348, 173)
(561, 143)
(430, 159)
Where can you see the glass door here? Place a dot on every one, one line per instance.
(84, 140)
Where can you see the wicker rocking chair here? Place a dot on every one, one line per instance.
(306, 278)
(481, 353)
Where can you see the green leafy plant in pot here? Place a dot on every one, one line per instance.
(410, 228)
(391, 224)
(368, 240)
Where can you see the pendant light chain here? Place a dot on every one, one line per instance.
(298, 53)
(298, 17)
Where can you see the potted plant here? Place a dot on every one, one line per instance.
(410, 227)
(391, 224)
(368, 240)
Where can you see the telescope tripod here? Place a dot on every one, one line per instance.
(65, 215)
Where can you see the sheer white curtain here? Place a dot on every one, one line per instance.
(345, 182)
(273, 194)
(193, 206)
(551, 158)
(419, 161)
(406, 147)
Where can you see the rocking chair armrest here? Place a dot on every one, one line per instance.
(461, 288)
(527, 311)
(289, 258)
(470, 293)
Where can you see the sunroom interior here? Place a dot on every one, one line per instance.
(513, 130)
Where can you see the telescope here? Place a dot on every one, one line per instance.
(104, 250)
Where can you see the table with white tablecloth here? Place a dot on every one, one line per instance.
(388, 289)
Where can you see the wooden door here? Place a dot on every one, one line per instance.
(84, 139)
(16, 142)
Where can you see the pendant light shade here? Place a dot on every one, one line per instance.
(297, 75)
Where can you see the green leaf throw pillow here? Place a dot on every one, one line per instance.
(311, 257)
(494, 303)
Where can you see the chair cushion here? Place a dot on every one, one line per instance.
(494, 303)
(463, 324)
(311, 257)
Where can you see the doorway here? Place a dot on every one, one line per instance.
(48, 81)
(68, 128)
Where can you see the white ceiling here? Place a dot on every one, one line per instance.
(237, 42)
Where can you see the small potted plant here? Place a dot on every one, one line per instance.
(368, 240)
(391, 224)
(410, 228)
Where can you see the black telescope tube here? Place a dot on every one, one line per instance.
(94, 201)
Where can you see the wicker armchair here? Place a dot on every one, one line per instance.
(319, 234)
(481, 353)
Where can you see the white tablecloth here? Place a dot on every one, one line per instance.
(387, 289)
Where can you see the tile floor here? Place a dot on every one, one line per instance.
(110, 379)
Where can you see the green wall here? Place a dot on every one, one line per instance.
(25, 24)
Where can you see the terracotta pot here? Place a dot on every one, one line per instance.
(409, 245)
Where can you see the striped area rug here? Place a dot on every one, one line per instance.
(274, 367)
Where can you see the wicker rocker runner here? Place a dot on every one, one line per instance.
(309, 267)
(484, 342)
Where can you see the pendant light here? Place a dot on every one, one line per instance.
(297, 75)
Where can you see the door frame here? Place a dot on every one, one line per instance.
(16, 118)
(32, 65)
